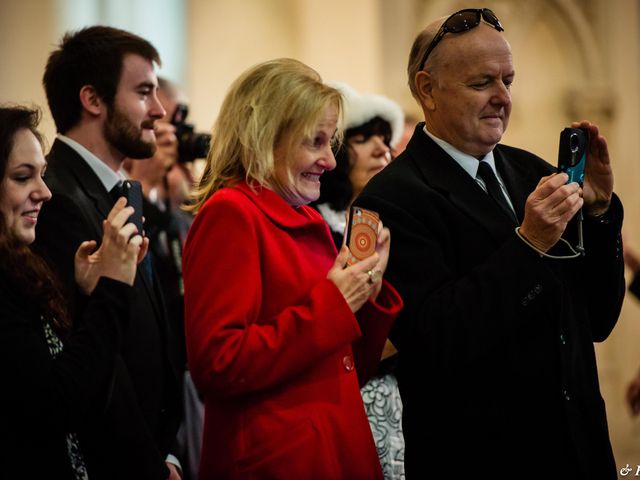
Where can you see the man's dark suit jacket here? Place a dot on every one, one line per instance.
(497, 366)
(141, 409)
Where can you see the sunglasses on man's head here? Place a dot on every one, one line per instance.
(461, 22)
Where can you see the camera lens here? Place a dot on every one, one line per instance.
(192, 145)
(574, 142)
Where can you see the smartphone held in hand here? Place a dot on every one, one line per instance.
(132, 190)
(362, 233)
(572, 154)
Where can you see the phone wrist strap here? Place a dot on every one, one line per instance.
(577, 251)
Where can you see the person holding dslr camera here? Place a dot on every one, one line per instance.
(168, 171)
(166, 179)
(165, 240)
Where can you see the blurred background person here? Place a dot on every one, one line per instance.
(410, 123)
(373, 126)
(181, 181)
(167, 182)
(56, 380)
(165, 242)
(632, 262)
(279, 333)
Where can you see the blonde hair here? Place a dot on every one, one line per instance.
(273, 104)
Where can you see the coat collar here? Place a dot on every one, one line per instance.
(278, 210)
(63, 157)
(86, 188)
(444, 174)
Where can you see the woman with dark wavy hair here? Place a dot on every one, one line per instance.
(53, 380)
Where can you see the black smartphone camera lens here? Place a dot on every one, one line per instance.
(574, 142)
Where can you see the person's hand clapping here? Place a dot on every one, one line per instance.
(119, 252)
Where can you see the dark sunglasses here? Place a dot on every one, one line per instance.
(461, 22)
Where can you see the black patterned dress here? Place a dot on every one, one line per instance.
(73, 445)
(54, 391)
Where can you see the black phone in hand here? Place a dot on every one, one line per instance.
(572, 154)
(132, 190)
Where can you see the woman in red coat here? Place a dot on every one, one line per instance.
(279, 333)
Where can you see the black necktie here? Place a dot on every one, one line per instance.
(485, 172)
(116, 192)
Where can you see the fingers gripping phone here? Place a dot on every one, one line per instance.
(132, 190)
(572, 154)
(362, 234)
(572, 159)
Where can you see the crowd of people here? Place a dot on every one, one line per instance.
(233, 339)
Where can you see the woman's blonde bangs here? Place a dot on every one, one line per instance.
(274, 104)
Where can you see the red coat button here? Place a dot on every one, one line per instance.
(347, 361)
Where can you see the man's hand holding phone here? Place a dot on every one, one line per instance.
(584, 178)
(121, 249)
(598, 178)
(132, 191)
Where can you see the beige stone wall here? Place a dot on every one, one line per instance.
(340, 39)
(574, 59)
(27, 31)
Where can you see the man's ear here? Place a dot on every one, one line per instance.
(424, 86)
(91, 101)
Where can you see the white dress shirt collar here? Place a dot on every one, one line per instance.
(107, 177)
(468, 162)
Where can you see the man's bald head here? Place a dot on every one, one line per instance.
(464, 89)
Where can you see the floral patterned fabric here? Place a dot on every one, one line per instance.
(383, 405)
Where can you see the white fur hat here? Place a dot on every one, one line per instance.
(359, 109)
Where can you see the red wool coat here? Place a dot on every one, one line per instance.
(272, 344)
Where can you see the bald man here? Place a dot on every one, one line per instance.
(497, 367)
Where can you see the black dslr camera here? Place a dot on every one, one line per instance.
(191, 145)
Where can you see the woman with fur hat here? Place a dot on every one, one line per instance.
(373, 125)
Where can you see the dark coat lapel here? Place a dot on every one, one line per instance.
(518, 180)
(84, 186)
(443, 173)
(64, 158)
